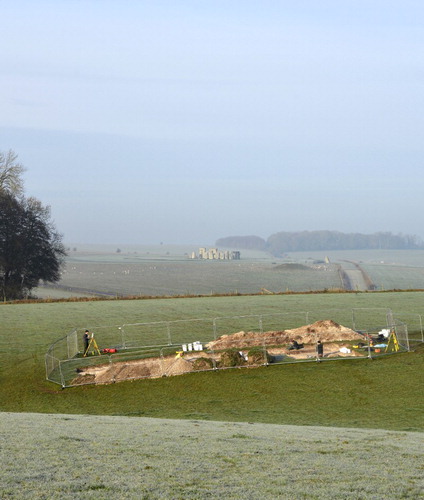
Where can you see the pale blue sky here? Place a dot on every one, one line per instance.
(185, 121)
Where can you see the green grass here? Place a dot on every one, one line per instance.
(384, 393)
(97, 457)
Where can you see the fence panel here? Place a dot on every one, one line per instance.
(341, 316)
(192, 330)
(105, 337)
(132, 365)
(52, 369)
(371, 319)
(138, 335)
(233, 324)
(415, 325)
(283, 321)
(401, 341)
(58, 351)
(72, 344)
(146, 350)
(82, 371)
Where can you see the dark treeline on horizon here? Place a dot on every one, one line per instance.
(279, 243)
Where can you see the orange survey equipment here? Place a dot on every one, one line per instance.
(109, 350)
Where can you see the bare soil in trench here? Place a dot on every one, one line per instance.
(276, 344)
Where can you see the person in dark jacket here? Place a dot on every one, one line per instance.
(86, 338)
(320, 349)
(295, 346)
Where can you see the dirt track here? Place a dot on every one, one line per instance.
(356, 278)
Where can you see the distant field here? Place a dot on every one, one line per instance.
(392, 277)
(167, 270)
(192, 278)
(388, 269)
(97, 457)
(390, 257)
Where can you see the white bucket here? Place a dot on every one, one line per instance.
(190, 347)
(184, 347)
(197, 346)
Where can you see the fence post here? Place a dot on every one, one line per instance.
(62, 378)
(72, 343)
(316, 347)
(163, 373)
(113, 371)
(46, 366)
(389, 317)
(421, 328)
(215, 367)
(407, 336)
(122, 336)
(168, 328)
(369, 346)
(214, 328)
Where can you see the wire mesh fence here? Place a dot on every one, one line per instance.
(158, 349)
(415, 326)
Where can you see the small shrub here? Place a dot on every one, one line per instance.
(203, 364)
(258, 356)
(231, 358)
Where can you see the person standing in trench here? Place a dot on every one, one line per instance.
(320, 349)
(86, 338)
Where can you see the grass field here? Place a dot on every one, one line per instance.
(167, 270)
(191, 277)
(102, 453)
(97, 457)
(357, 393)
(388, 269)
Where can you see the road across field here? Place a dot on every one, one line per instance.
(356, 277)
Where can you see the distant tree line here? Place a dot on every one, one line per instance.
(243, 242)
(279, 243)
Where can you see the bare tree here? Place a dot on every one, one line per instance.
(31, 249)
(11, 173)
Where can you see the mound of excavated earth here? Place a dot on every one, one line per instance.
(325, 330)
(135, 369)
(328, 331)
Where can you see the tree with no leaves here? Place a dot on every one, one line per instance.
(30, 247)
(11, 173)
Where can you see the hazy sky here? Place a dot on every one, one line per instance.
(185, 121)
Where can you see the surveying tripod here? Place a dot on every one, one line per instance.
(93, 345)
(393, 342)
